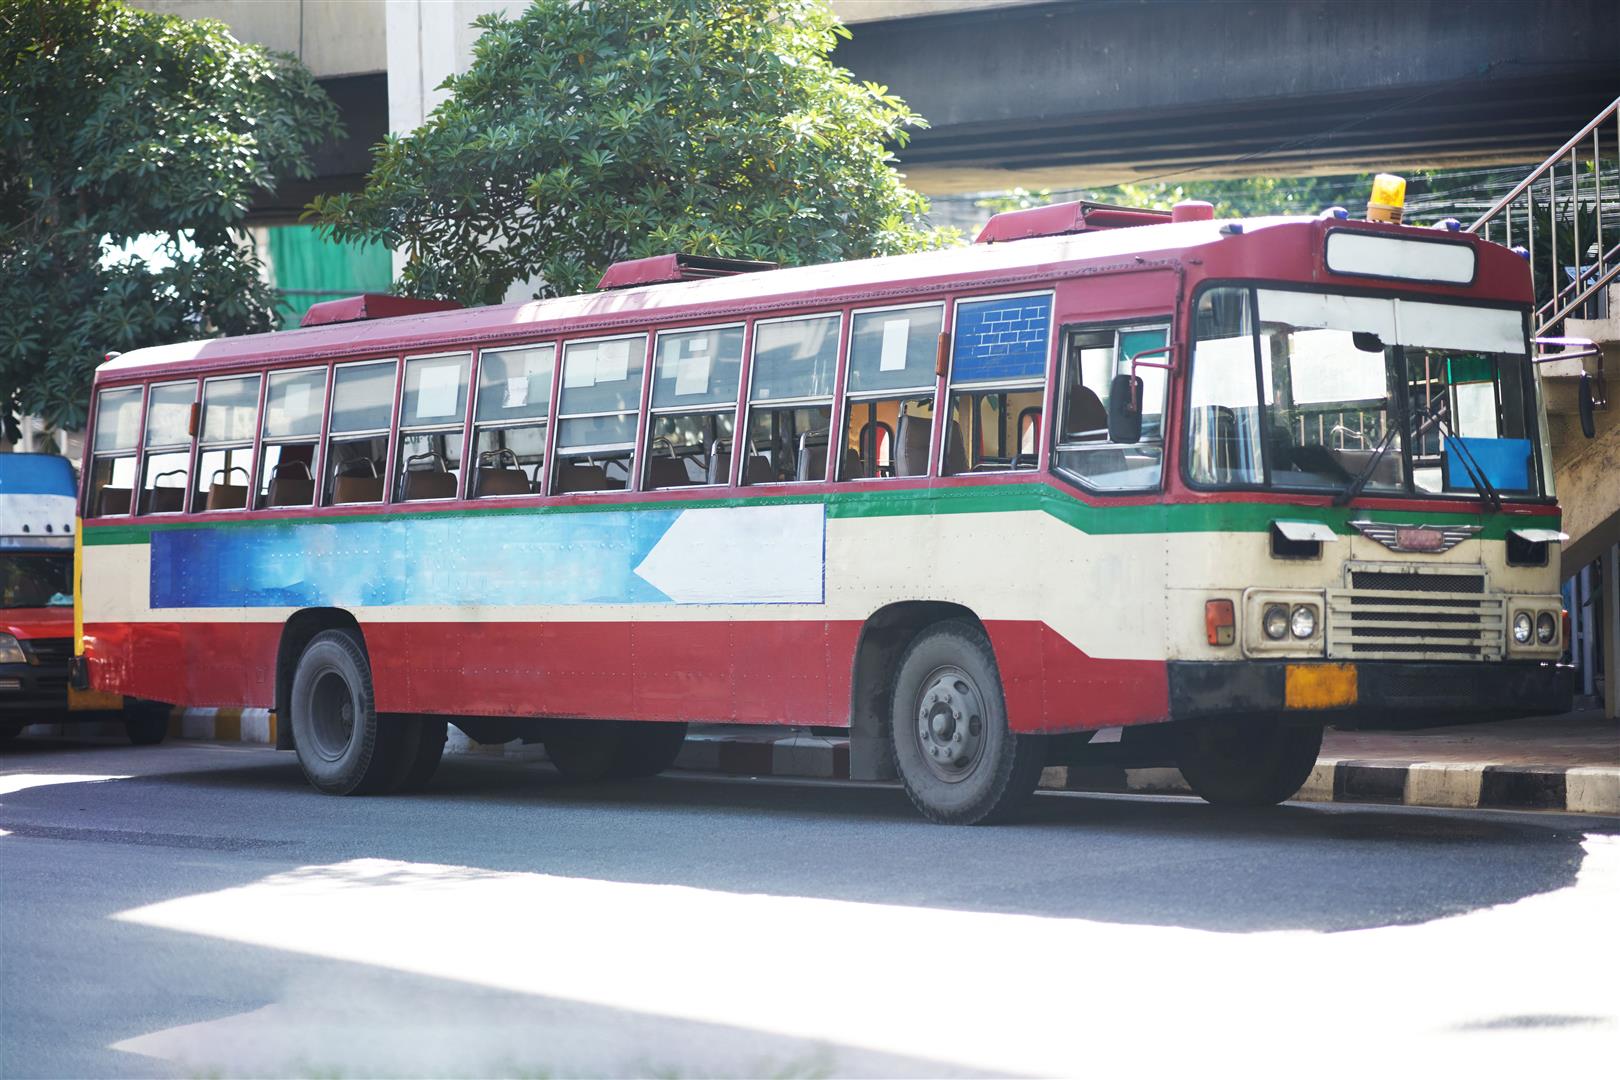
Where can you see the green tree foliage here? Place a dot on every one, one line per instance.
(116, 124)
(583, 134)
(1256, 196)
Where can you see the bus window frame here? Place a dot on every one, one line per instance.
(554, 435)
(846, 398)
(1043, 383)
(317, 440)
(1116, 327)
(389, 433)
(252, 445)
(134, 453)
(394, 493)
(649, 413)
(138, 501)
(542, 481)
(834, 417)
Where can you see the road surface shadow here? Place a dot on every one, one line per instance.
(1135, 860)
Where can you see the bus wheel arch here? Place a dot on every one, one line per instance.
(884, 638)
(297, 633)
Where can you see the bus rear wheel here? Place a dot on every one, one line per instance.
(1248, 764)
(958, 760)
(614, 749)
(343, 747)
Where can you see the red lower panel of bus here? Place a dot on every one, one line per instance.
(795, 673)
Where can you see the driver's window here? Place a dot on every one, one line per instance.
(1092, 360)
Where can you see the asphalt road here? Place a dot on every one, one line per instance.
(197, 910)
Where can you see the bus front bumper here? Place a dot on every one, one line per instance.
(1368, 693)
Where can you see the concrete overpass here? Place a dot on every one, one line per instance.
(1084, 92)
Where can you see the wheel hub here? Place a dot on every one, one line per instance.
(950, 723)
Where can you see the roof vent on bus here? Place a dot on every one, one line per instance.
(662, 269)
(1063, 219)
(371, 306)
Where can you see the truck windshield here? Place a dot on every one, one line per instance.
(1300, 391)
(35, 581)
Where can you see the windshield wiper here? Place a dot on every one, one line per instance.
(1361, 478)
(1476, 474)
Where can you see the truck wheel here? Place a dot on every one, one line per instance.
(343, 748)
(590, 750)
(146, 722)
(1248, 764)
(957, 759)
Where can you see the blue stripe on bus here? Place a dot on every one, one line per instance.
(36, 474)
(498, 561)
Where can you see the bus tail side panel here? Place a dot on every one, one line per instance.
(223, 664)
(1051, 686)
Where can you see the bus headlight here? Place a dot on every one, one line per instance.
(1302, 623)
(11, 652)
(1521, 628)
(1546, 628)
(1275, 622)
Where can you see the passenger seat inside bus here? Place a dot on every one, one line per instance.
(955, 454)
(433, 481)
(112, 501)
(224, 495)
(350, 488)
(912, 439)
(667, 472)
(287, 488)
(581, 476)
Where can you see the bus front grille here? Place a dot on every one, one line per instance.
(1391, 615)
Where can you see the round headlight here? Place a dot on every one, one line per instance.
(1302, 623)
(1546, 628)
(1276, 622)
(1521, 628)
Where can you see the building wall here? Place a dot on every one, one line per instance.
(334, 38)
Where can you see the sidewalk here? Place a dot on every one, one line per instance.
(1567, 763)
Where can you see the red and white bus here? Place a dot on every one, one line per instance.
(1108, 485)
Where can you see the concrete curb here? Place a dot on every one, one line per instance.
(1570, 789)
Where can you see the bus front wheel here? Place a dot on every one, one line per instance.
(146, 723)
(958, 760)
(1248, 764)
(342, 746)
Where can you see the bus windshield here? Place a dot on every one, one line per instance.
(35, 581)
(1318, 392)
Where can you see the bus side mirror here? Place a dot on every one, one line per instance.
(1125, 409)
(1585, 405)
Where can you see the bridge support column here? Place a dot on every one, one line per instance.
(1611, 632)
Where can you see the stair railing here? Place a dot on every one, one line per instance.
(1589, 261)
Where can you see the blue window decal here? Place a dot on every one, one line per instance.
(1507, 464)
(1001, 339)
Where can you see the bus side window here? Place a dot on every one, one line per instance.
(889, 400)
(167, 449)
(790, 399)
(597, 410)
(514, 398)
(999, 356)
(694, 405)
(1091, 361)
(357, 434)
(224, 471)
(432, 418)
(293, 403)
(112, 454)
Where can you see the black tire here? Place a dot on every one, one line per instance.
(590, 750)
(343, 746)
(146, 722)
(10, 729)
(1248, 764)
(424, 738)
(956, 771)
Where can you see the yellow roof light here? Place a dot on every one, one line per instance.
(1388, 198)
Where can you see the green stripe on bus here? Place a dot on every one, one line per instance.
(1104, 519)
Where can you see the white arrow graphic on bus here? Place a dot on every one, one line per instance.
(741, 555)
